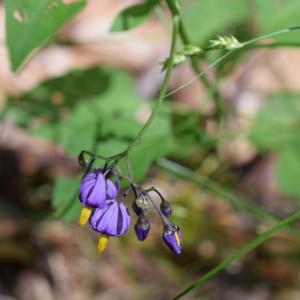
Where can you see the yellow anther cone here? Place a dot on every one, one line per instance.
(177, 238)
(103, 240)
(85, 215)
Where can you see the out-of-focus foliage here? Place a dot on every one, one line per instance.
(99, 110)
(206, 18)
(277, 129)
(30, 24)
(103, 123)
(133, 16)
(274, 15)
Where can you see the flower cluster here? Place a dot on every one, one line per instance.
(225, 42)
(99, 192)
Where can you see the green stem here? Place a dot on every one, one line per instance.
(195, 65)
(262, 37)
(202, 73)
(241, 252)
(206, 183)
(276, 45)
(199, 75)
(163, 90)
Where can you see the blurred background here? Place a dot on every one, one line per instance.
(229, 173)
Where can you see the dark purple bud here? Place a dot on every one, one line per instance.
(95, 189)
(113, 219)
(172, 236)
(165, 208)
(142, 228)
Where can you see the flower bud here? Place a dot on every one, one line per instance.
(172, 236)
(142, 228)
(142, 201)
(225, 42)
(165, 208)
(190, 50)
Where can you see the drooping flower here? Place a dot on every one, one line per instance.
(172, 236)
(95, 188)
(111, 220)
(99, 189)
(142, 228)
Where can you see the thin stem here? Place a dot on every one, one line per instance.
(163, 90)
(276, 45)
(262, 37)
(128, 167)
(241, 252)
(200, 74)
(164, 220)
(195, 65)
(205, 183)
(153, 189)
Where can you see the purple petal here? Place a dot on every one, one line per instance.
(169, 237)
(112, 189)
(113, 219)
(124, 219)
(93, 190)
(97, 194)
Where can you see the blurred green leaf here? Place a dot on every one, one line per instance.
(30, 23)
(52, 98)
(133, 16)
(77, 133)
(288, 172)
(284, 14)
(62, 185)
(277, 129)
(203, 19)
(121, 112)
(277, 123)
(109, 122)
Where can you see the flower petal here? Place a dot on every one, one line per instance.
(112, 189)
(113, 219)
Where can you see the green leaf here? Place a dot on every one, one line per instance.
(155, 144)
(288, 172)
(205, 18)
(277, 123)
(30, 23)
(277, 129)
(64, 198)
(285, 13)
(133, 16)
(120, 111)
(77, 133)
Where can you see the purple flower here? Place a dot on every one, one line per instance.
(172, 236)
(113, 219)
(95, 188)
(142, 228)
